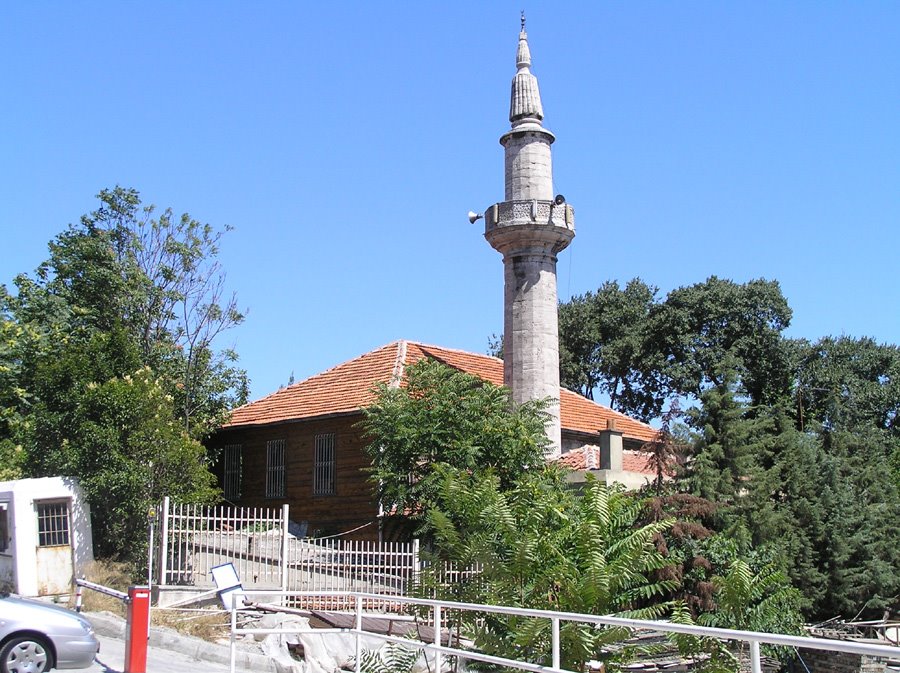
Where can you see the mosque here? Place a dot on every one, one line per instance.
(301, 444)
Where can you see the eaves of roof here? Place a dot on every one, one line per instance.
(351, 386)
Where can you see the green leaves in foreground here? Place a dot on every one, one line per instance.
(539, 545)
(391, 658)
(443, 415)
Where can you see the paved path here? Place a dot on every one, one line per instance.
(168, 652)
(111, 659)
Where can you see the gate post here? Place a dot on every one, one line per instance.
(438, 659)
(163, 542)
(137, 629)
(285, 548)
(415, 563)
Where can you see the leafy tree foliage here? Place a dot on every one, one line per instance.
(108, 370)
(602, 336)
(818, 498)
(442, 415)
(708, 330)
(847, 383)
(390, 658)
(795, 443)
(452, 452)
(538, 545)
(12, 395)
(643, 352)
(746, 600)
(754, 601)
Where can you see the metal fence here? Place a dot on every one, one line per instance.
(194, 539)
(332, 565)
(439, 610)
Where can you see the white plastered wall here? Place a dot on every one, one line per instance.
(18, 562)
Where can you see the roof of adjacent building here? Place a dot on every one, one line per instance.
(588, 458)
(350, 386)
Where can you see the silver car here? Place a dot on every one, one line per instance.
(37, 636)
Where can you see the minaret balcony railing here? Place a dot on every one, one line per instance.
(529, 213)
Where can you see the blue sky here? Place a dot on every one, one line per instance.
(346, 141)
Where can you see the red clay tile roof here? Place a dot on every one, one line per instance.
(349, 386)
(588, 458)
(342, 389)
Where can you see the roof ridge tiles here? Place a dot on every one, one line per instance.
(318, 375)
(454, 350)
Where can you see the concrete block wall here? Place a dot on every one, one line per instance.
(821, 661)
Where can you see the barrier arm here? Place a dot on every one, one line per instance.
(137, 621)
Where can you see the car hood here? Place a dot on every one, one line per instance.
(39, 611)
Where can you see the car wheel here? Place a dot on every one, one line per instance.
(26, 654)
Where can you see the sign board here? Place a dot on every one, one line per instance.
(228, 585)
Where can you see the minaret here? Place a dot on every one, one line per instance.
(529, 228)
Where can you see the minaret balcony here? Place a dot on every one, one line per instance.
(546, 224)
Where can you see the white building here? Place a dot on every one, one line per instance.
(45, 535)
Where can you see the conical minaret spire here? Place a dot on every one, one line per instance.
(525, 97)
(529, 228)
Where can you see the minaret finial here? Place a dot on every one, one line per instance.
(525, 101)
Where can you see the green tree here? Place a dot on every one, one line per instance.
(643, 352)
(819, 498)
(708, 331)
(721, 457)
(158, 278)
(108, 370)
(13, 397)
(859, 502)
(747, 599)
(603, 346)
(795, 443)
(755, 601)
(847, 397)
(847, 383)
(442, 415)
(539, 545)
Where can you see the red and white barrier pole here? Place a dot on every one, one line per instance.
(137, 629)
(78, 597)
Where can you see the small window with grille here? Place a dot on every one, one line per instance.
(323, 472)
(232, 486)
(53, 523)
(275, 468)
(4, 527)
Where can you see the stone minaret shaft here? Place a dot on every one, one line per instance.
(529, 228)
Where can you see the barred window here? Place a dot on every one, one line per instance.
(323, 472)
(275, 468)
(4, 526)
(53, 523)
(232, 459)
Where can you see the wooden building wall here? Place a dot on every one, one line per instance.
(352, 504)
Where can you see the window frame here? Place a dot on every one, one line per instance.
(4, 527)
(275, 468)
(232, 471)
(324, 481)
(49, 532)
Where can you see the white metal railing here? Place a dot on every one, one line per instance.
(438, 650)
(194, 539)
(257, 541)
(335, 565)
